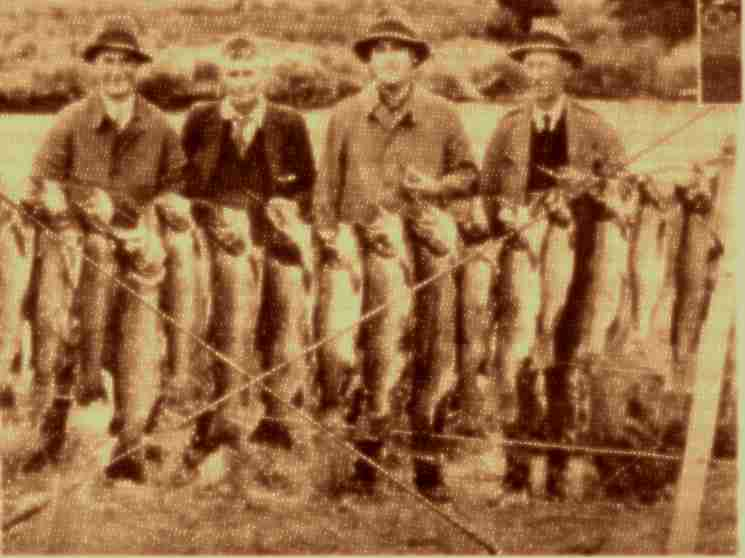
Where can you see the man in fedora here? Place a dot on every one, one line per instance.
(244, 151)
(390, 141)
(113, 141)
(549, 131)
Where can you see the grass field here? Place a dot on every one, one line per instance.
(240, 514)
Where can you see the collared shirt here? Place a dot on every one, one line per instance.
(84, 149)
(120, 112)
(392, 108)
(554, 114)
(245, 126)
(366, 154)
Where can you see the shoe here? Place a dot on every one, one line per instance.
(429, 480)
(126, 468)
(510, 497)
(273, 433)
(438, 494)
(556, 488)
(37, 463)
(116, 425)
(91, 392)
(7, 398)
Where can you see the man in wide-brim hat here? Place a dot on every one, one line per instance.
(550, 131)
(392, 140)
(113, 142)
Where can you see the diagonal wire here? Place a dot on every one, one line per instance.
(315, 346)
(255, 379)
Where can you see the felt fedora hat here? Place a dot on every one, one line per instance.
(392, 24)
(548, 34)
(116, 33)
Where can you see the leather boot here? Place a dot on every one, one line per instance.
(429, 479)
(365, 476)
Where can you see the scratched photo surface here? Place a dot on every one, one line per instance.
(369, 276)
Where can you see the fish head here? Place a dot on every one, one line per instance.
(381, 233)
(174, 212)
(290, 233)
(141, 249)
(436, 230)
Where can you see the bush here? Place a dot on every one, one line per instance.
(302, 85)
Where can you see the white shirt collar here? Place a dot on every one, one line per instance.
(228, 112)
(119, 111)
(554, 113)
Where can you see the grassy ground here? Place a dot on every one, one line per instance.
(243, 512)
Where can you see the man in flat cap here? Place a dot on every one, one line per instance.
(392, 140)
(549, 132)
(244, 151)
(115, 142)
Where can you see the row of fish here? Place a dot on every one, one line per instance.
(207, 274)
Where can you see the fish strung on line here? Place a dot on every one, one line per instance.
(388, 278)
(338, 308)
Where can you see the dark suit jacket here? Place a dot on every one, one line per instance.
(287, 145)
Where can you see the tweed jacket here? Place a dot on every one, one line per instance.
(287, 146)
(365, 153)
(83, 149)
(506, 166)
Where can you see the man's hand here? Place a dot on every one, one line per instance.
(175, 210)
(98, 207)
(51, 197)
(419, 184)
(696, 193)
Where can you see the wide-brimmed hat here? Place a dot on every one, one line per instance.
(392, 24)
(116, 33)
(548, 34)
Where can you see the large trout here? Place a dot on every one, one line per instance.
(556, 268)
(95, 294)
(518, 296)
(338, 308)
(694, 272)
(388, 276)
(648, 258)
(55, 277)
(435, 237)
(286, 314)
(138, 344)
(16, 259)
(185, 298)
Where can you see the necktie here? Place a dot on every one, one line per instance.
(546, 123)
(242, 134)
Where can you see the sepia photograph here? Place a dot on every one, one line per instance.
(721, 51)
(369, 277)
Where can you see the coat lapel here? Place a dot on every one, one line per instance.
(273, 141)
(208, 156)
(519, 153)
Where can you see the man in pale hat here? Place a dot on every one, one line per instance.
(244, 151)
(548, 132)
(392, 140)
(116, 142)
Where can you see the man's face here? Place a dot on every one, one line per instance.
(391, 62)
(244, 80)
(547, 74)
(116, 70)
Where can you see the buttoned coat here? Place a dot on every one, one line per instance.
(83, 149)
(506, 167)
(287, 146)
